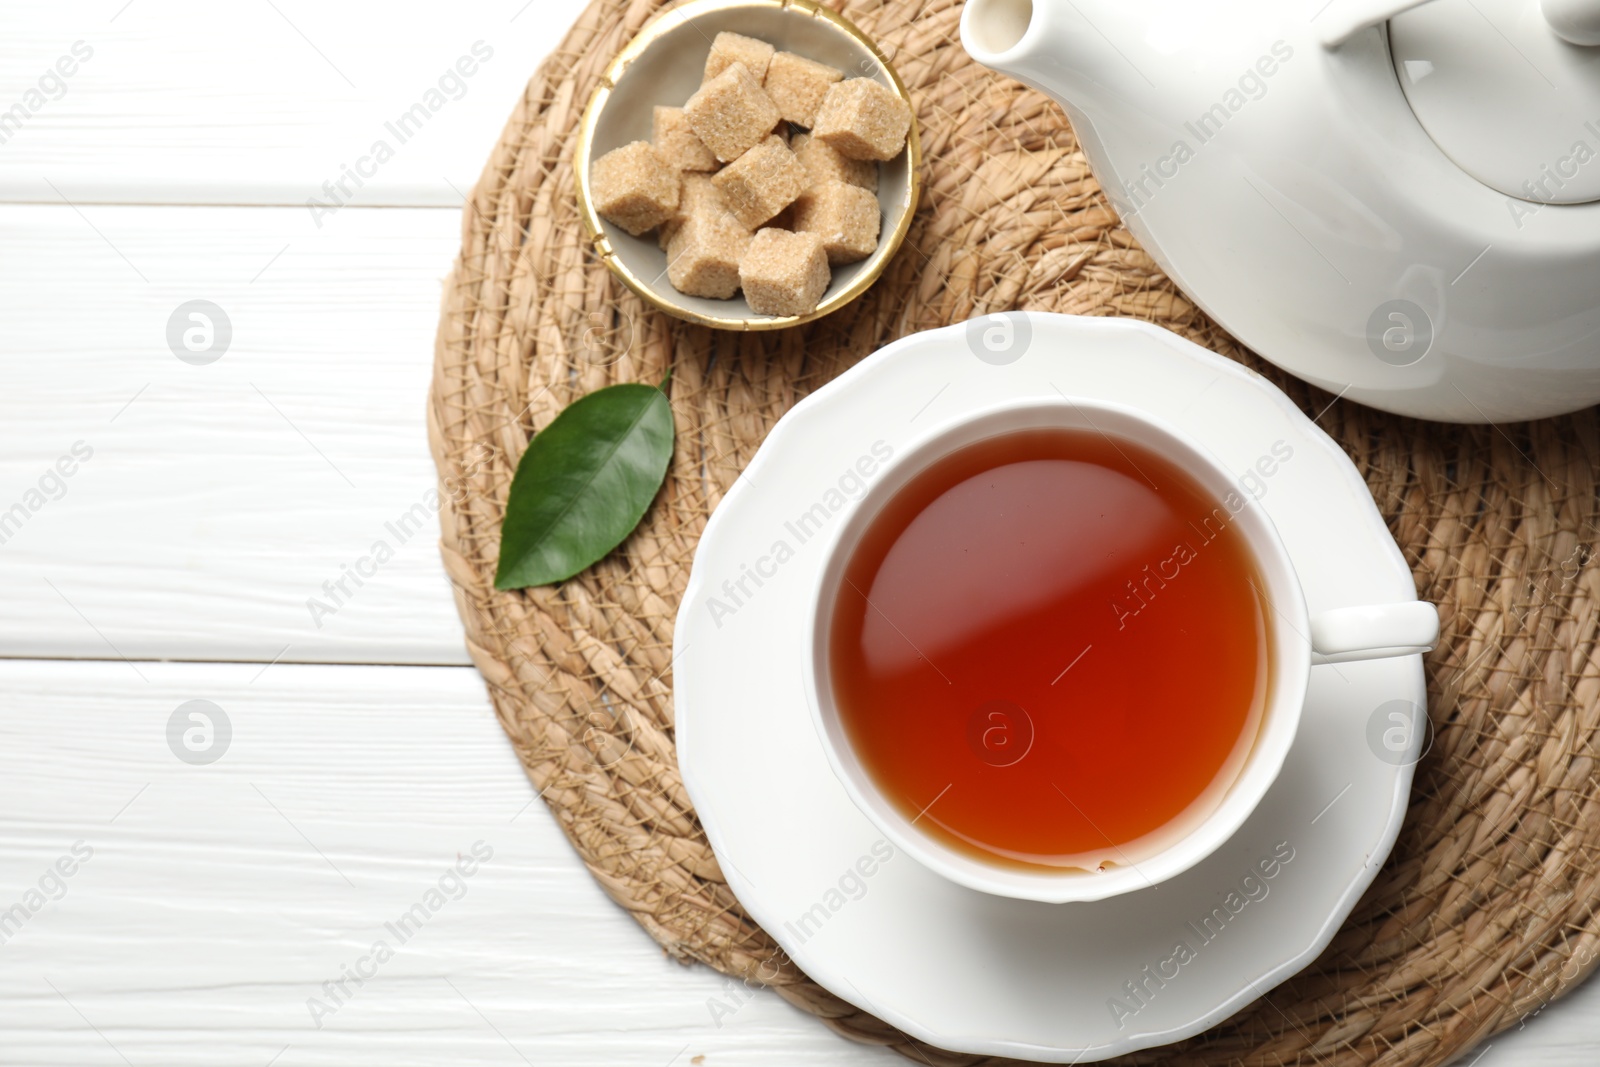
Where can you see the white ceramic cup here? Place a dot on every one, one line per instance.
(1295, 641)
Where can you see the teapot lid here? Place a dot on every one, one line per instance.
(1509, 90)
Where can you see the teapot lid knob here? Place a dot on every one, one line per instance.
(1577, 21)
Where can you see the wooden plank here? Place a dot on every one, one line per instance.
(219, 499)
(182, 101)
(1563, 1034)
(217, 899)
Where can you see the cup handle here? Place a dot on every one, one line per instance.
(1376, 631)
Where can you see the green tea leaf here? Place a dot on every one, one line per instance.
(583, 484)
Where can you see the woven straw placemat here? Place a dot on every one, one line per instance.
(1486, 909)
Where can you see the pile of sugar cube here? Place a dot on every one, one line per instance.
(740, 195)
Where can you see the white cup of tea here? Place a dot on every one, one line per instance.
(1290, 640)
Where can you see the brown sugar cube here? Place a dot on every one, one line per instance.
(731, 113)
(761, 183)
(824, 164)
(676, 142)
(731, 48)
(704, 254)
(863, 120)
(845, 216)
(784, 273)
(797, 85)
(699, 197)
(634, 188)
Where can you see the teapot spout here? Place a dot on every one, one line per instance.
(1037, 43)
(991, 30)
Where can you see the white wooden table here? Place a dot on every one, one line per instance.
(215, 911)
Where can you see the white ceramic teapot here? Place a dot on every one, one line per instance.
(1397, 200)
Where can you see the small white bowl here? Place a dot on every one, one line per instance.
(663, 66)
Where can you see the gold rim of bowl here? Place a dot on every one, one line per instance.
(833, 300)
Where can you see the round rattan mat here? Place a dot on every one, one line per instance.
(1487, 908)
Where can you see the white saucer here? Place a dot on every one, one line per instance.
(993, 976)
